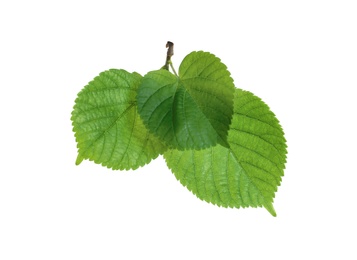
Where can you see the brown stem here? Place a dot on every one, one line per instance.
(170, 50)
(170, 53)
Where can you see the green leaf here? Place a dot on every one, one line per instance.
(248, 173)
(192, 111)
(108, 128)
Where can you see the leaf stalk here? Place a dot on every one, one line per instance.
(170, 53)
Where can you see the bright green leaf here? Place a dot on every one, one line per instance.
(248, 173)
(192, 111)
(108, 128)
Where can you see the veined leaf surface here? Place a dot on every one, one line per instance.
(107, 127)
(247, 173)
(192, 111)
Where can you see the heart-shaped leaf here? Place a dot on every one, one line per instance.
(247, 173)
(108, 128)
(192, 111)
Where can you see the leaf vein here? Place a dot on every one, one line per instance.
(257, 153)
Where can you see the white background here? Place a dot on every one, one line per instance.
(300, 57)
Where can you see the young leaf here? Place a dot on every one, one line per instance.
(192, 111)
(107, 127)
(248, 173)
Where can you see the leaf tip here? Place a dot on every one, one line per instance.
(224, 143)
(269, 207)
(79, 159)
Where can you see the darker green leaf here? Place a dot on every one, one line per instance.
(192, 111)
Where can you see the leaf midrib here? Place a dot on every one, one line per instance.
(109, 127)
(248, 177)
(219, 137)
